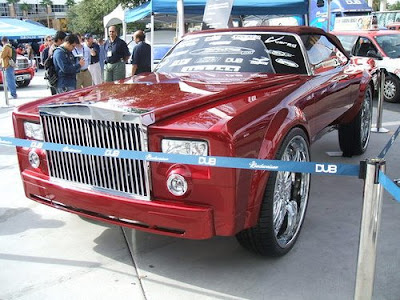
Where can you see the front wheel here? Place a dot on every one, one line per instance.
(354, 137)
(284, 202)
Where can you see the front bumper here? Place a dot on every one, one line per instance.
(22, 77)
(162, 217)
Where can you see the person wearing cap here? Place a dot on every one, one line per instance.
(83, 78)
(6, 55)
(94, 67)
(117, 53)
(141, 54)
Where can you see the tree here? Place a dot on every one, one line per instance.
(11, 4)
(24, 7)
(47, 4)
(394, 6)
(70, 3)
(83, 18)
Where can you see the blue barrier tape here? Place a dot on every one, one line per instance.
(212, 161)
(389, 185)
(389, 143)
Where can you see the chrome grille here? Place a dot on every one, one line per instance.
(114, 174)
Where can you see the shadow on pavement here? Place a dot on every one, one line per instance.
(35, 221)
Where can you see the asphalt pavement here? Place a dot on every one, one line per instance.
(50, 254)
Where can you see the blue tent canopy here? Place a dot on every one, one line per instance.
(240, 7)
(16, 29)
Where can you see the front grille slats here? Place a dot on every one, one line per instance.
(111, 173)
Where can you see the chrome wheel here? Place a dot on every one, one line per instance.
(390, 89)
(284, 203)
(291, 194)
(366, 119)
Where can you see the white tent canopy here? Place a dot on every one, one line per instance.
(117, 16)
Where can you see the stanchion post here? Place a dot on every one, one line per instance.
(381, 96)
(5, 86)
(370, 222)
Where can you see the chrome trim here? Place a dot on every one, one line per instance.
(76, 125)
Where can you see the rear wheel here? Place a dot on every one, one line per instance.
(284, 203)
(354, 137)
(391, 89)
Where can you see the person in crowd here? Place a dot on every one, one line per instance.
(29, 52)
(45, 53)
(58, 39)
(67, 66)
(141, 54)
(102, 55)
(20, 50)
(117, 53)
(83, 78)
(94, 67)
(6, 55)
(43, 46)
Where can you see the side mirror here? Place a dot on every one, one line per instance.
(373, 54)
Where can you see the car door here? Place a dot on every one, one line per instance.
(332, 88)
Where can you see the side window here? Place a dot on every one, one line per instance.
(362, 47)
(322, 54)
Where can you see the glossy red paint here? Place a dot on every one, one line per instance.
(247, 115)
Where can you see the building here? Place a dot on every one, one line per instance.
(52, 15)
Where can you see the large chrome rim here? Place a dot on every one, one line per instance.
(389, 89)
(366, 119)
(291, 194)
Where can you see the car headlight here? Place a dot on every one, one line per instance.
(33, 131)
(186, 147)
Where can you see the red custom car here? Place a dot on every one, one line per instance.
(264, 92)
(24, 71)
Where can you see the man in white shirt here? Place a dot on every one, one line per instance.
(83, 78)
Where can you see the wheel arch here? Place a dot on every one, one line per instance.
(274, 135)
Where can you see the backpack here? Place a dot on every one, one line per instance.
(13, 60)
(50, 72)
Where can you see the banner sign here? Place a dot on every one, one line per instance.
(210, 161)
(217, 14)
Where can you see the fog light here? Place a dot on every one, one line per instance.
(177, 184)
(34, 159)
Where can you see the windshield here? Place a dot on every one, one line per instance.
(390, 44)
(235, 52)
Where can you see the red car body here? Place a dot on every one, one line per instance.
(238, 114)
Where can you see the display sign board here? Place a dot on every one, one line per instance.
(217, 14)
(353, 23)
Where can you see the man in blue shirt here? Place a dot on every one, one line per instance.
(66, 65)
(117, 53)
(141, 55)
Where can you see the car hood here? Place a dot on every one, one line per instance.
(159, 96)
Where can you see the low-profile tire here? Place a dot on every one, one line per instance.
(391, 89)
(284, 202)
(354, 137)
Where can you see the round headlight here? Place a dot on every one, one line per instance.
(34, 159)
(177, 184)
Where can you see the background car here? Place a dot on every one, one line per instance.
(381, 45)
(254, 92)
(24, 71)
